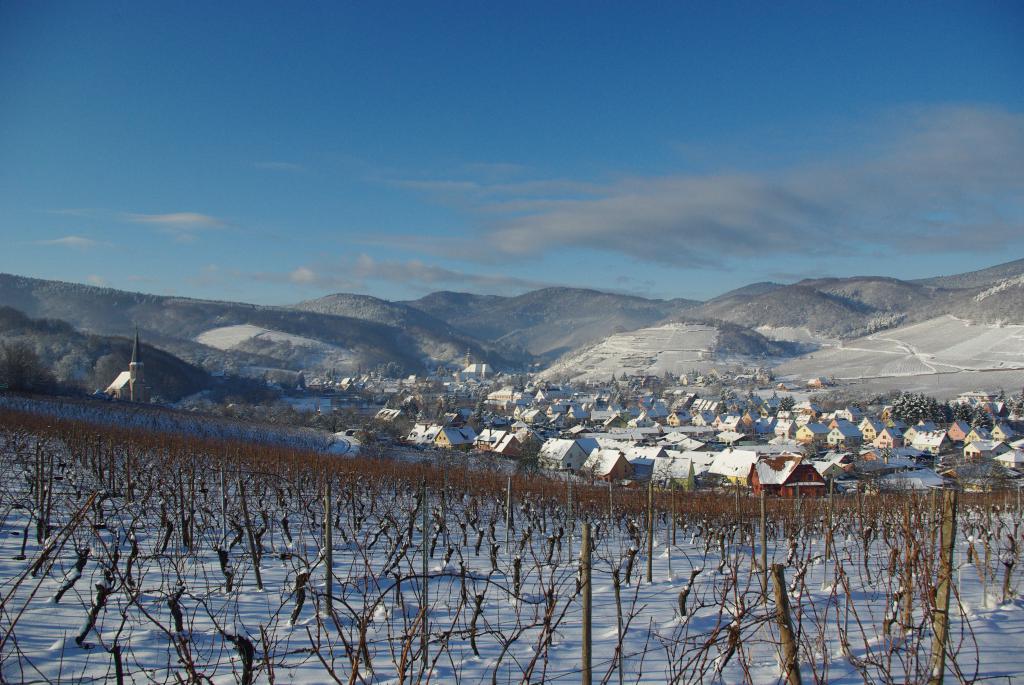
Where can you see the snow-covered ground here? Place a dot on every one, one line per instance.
(677, 347)
(801, 334)
(230, 337)
(489, 617)
(941, 356)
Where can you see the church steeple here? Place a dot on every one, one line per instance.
(135, 348)
(136, 385)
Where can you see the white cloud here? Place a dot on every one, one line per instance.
(926, 179)
(75, 242)
(183, 226)
(94, 279)
(353, 275)
(189, 220)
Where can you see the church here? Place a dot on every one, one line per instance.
(130, 385)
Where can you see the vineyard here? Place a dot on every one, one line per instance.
(133, 555)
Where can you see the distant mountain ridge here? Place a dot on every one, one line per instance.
(299, 339)
(550, 321)
(977, 279)
(347, 331)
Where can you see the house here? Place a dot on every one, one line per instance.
(703, 418)
(980, 449)
(813, 434)
(452, 438)
(958, 430)
(654, 453)
(808, 408)
(870, 428)
(785, 428)
(562, 455)
(852, 414)
(615, 421)
(844, 434)
(501, 441)
(423, 434)
(1003, 432)
(786, 476)
(1012, 460)
(678, 417)
(978, 433)
(888, 438)
(834, 465)
(933, 443)
(764, 426)
(730, 437)
(733, 465)
(387, 415)
(607, 465)
(911, 479)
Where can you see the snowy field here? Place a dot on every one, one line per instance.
(675, 347)
(941, 356)
(153, 559)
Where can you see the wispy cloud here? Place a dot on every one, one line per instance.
(75, 242)
(417, 273)
(359, 273)
(183, 226)
(178, 219)
(94, 279)
(926, 179)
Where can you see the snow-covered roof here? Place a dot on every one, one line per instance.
(122, 380)
(1014, 458)
(776, 470)
(733, 463)
(602, 461)
(915, 479)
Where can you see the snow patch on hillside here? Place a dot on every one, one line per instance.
(941, 346)
(230, 337)
(676, 347)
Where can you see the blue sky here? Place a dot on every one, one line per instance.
(272, 152)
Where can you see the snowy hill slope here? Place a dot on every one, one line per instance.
(944, 345)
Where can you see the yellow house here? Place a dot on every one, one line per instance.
(455, 438)
(1003, 433)
(869, 428)
(976, 434)
(814, 434)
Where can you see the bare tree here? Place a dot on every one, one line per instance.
(21, 369)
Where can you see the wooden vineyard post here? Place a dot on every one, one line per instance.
(253, 550)
(610, 501)
(508, 515)
(790, 664)
(328, 548)
(223, 508)
(424, 628)
(673, 513)
(587, 607)
(572, 517)
(650, 531)
(940, 616)
(668, 548)
(764, 550)
(828, 535)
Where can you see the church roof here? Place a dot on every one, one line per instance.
(120, 382)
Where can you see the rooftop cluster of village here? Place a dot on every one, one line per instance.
(764, 436)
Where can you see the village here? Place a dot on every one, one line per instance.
(741, 432)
